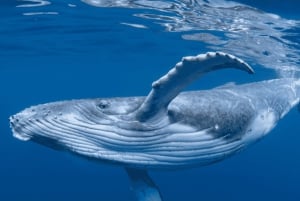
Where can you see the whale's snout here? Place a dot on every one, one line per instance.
(62, 125)
(35, 121)
(18, 124)
(40, 122)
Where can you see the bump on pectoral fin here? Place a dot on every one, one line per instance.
(142, 185)
(190, 68)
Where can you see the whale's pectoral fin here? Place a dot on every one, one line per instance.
(142, 185)
(190, 68)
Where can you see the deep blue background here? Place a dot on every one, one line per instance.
(83, 53)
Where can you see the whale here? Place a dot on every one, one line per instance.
(169, 128)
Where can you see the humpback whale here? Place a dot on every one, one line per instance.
(169, 128)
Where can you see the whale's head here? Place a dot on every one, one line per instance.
(53, 124)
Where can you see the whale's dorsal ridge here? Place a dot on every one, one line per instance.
(190, 68)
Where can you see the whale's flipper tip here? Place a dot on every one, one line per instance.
(142, 185)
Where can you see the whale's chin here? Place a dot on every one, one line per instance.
(21, 136)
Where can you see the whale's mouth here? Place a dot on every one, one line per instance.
(17, 129)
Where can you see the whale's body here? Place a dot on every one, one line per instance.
(167, 129)
(201, 127)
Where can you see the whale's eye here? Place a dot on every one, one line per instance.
(103, 104)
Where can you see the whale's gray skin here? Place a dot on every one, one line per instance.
(167, 129)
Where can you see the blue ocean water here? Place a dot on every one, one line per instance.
(65, 49)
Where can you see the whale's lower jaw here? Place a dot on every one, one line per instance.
(19, 136)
